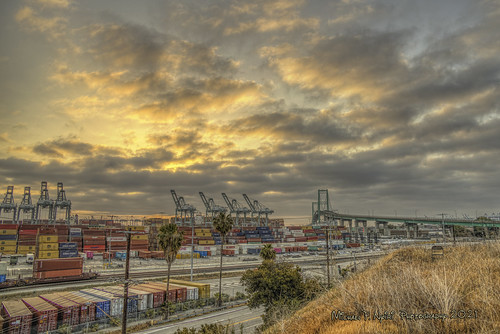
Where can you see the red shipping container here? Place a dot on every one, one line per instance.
(69, 311)
(58, 273)
(87, 307)
(26, 242)
(8, 226)
(45, 314)
(94, 248)
(179, 293)
(58, 264)
(28, 232)
(158, 293)
(18, 317)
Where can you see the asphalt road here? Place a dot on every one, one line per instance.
(238, 316)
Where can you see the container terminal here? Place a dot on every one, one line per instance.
(58, 248)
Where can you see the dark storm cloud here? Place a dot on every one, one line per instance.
(123, 45)
(318, 128)
(57, 148)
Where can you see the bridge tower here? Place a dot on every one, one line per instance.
(26, 205)
(8, 204)
(322, 210)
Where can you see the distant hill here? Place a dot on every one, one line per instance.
(408, 292)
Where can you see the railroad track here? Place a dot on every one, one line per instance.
(103, 278)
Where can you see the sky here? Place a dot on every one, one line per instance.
(393, 106)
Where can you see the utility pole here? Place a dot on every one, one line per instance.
(327, 257)
(442, 221)
(192, 243)
(125, 286)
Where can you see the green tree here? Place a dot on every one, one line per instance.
(222, 223)
(268, 253)
(208, 329)
(170, 240)
(280, 287)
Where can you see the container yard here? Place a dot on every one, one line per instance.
(51, 311)
(63, 252)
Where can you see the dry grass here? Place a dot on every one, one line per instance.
(467, 278)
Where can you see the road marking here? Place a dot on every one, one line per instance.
(187, 321)
(240, 322)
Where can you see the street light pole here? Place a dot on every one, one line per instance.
(125, 286)
(327, 257)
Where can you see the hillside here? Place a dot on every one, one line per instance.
(459, 293)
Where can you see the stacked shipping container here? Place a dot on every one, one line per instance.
(49, 268)
(8, 238)
(48, 243)
(94, 240)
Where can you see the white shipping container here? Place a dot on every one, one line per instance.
(145, 299)
(3, 268)
(116, 303)
(116, 239)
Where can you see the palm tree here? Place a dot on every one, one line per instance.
(268, 253)
(170, 240)
(222, 223)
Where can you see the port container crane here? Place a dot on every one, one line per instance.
(62, 202)
(236, 208)
(26, 205)
(258, 208)
(8, 204)
(181, 206)
(44, 202)
(211, 207)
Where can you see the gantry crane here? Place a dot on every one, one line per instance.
(236, 208)
(258, 208)
(8, 204)
(62, 202)
(26, 205)
(211, 207)
(44, 202)
(181, 206)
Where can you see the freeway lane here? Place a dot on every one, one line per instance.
(238, 316)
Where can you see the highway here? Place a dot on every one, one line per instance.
(238, 316)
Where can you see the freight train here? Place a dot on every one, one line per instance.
(93, 306)
(52, 271)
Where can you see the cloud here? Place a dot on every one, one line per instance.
(60, 147)
(4, 137)
(54, 3)
(30, 19)
(122, 45)
(388, 108)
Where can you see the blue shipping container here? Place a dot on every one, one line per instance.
(3, 278)
(68, 245)
(66, 254)
(8, 237)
